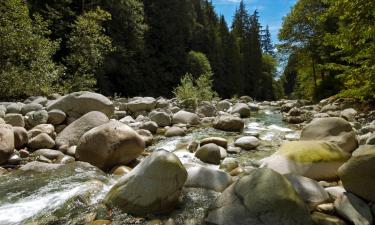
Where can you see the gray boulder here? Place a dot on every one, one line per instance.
(229, 123)
(40, 141)
(185, 117)
(242, 109)
(56, 116)
(72, 133)
(202, 177)
(247, 142)
(163, 119)
(141, 104)
(209, 153)
(15, 119)
(31, 107)
(35, 118)
(6, 142)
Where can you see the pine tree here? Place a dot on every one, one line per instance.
(267, 45)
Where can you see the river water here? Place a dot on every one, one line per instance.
(72, 193)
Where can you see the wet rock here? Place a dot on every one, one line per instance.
(242, 109)
(313, 159)
(40, 141)
(234, 150)
(247, 143)
(185, 117)
(216, 140)
(334, 129)
(193, 146)
(110, 144)
(74, 131)
(6, 142)
(56, 116)
(229, 164)
(14, 119)
(209, 153)
(79, 103)
(357, 175)
(163, 175)
(253, 200)
(39, 166)
(20, 137)
(229, 123)
(35, 118)
(202, 177)
(310, 190)
(49, 154)
(175, 131)
(353, 209)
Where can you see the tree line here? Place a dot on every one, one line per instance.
(132, 47)
(330, 49)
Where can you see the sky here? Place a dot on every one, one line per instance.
(271, 12)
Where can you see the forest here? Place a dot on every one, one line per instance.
(149, 47)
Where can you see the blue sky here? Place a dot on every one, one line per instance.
(271, 12)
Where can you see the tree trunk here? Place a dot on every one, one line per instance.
(314, 73)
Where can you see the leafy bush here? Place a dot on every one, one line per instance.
(198, 64)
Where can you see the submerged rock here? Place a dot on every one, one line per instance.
(153, 187)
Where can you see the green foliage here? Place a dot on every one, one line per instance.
(198, 64)
(26, 67)
(88, 46)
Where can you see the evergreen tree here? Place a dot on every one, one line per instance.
(267, 45)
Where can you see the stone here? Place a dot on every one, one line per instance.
(349, 114)
(162, 103)
(353, 209)
(31, 107)
(229, 123)
(357, 174)
(6, 142)
(74, 131)
(317, 160)
(247, 142)
(14, 107)
(40, 166)
(234, 150)
(42, 128)
(229, 164)
(14, 159)
(335, 191)
(147, 136)
(253, 200)
(223, 105)
(49, 154)
(14, 119)
(216, 140)
(185, 117)
(80, 103)
(24, 153)
(371, 140)
(40, 141)
(206, 109)
(56, 116)
(333, 129)
(141, 104)
(207, 178)
(164, 176)
(162, 119)
(110, 144)
(209, 153)
(121, 170)
(150, 126)
(175, 131)
(324, 219)
(310, 190)
(242, 109)
(35, 118)
(193, 146)
(2, 121)
(20, 137)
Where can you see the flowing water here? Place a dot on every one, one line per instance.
(72, 193)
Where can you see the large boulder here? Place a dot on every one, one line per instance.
(163, 119)
(35, 118)
(223, 105)
(72, 133)
(357, 175)
(312, 159)
(56, 116)
(247, 142)
(202, 177)
(229, 123)
(110, 144)
(206, 109)
(20, 137)
(333, 129)
(262, 198)
(154, 186)
(40, 141)
(31, 107)
(15, 119)
(209, 153)
(79, 103)
(6, 142)
(242, 109)
(353, 209)
(185, 117)
(141, 104)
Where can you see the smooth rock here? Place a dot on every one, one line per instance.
(35, 118)
(185, 117)
(242, 109)
(229, 164)
(152, 187)
(202, 177)
(141, 104)
(162, 119)
(216, 140)
(14, 119)
(40, 141)
(209, 153)
(324, 219)
(6, 142)
(20, 137)
(229, 123)
(247, 143)
(31, 107)
(56, 116)
(175, 131)
(110, 144)
(353, 209)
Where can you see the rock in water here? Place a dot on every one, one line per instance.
(72, 133)
(332, 129)
(247, 142)
(152, 187)
(357, 175)
(79, 103)
(312, 159)
(229, 123)
(262, 198)
(207, 178)
(110, 144)
(6, 142)
(209, 153)
(242, 109)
